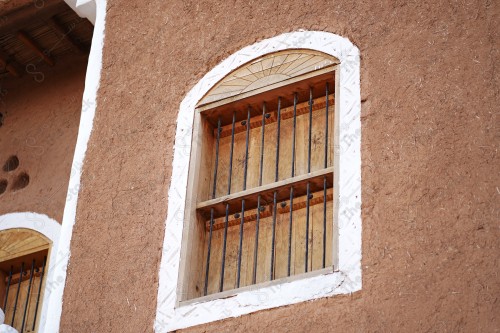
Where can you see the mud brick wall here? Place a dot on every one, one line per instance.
(429, 154)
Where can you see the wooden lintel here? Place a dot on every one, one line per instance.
(65, 33)
(30, 43)
(27, 15)
(317, 199)
(282, 188)
(286, 113)
(26, 275)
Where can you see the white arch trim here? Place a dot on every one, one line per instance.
(347, 277)
(49, 228)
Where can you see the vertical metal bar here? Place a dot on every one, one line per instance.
(276, 177)
(307, 225)
(264, 116)
(223, 263)
(214, 188)
(324, 178)
(7, 289)
(310, 131)
(246, 150)
(326, 128)
(216, 167)
(273, 236)
(293, 133)
(39, 292)
(308, 184)
(257, 222)
(255, 249)
(17, 294)
(28, 295)
(231, 156)
(290, 219)
(290, 232)
(209, 245)
(242, 221)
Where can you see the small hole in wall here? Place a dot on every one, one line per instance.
(21, 181)
(11, 164)
(3, 186)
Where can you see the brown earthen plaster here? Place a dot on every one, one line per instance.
(41, 118)
(429, 162)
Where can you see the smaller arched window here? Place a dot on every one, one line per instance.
(28, 252)
(260, 190)
(23, 265)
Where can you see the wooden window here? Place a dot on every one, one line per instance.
(259, 202)
(23, 262)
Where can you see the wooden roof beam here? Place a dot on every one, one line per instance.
(30, 43)
(10, 65)
(30, 14)
(64, 33)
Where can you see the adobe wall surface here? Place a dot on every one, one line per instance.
(41, 118)
(429, 162)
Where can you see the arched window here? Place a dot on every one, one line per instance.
(23, 257)
(28, 245)
(266, 183)
(259, 201)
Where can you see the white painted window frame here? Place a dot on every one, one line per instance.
(347, 275)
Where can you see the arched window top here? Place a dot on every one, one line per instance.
(17, 242)
(267, 70)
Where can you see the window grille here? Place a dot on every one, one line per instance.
(260, 188)
(23, 290)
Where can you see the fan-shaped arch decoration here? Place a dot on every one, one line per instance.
(18, 242)
(267, 70)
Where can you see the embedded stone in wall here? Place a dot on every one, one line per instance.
(21, 181)
(11, 164)
(3, 186)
